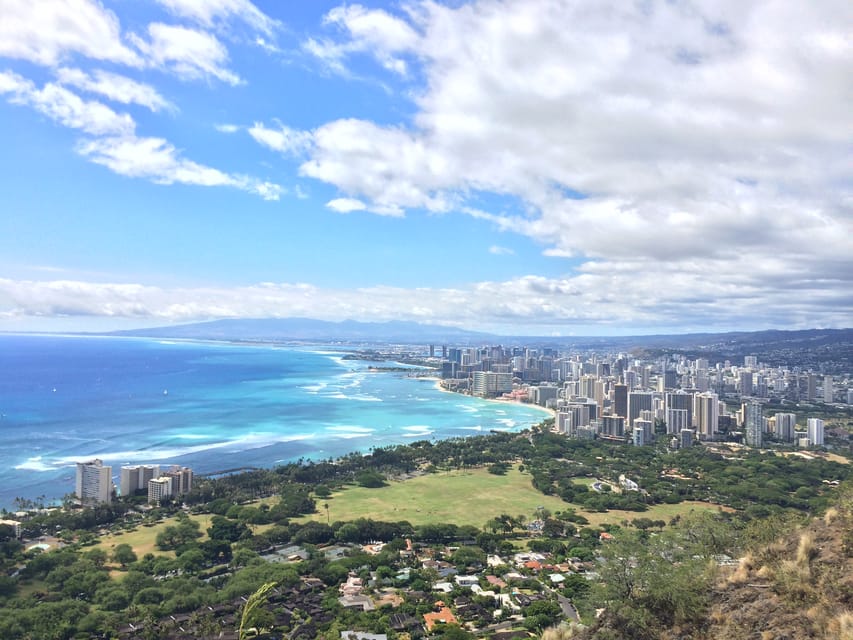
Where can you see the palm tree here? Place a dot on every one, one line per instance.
(255, 601)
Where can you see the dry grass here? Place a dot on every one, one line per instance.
(830, 515)
(806, 549)
(841, 627)
(741, 574)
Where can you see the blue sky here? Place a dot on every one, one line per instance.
(520, 167)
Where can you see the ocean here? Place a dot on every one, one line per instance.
(210, 406)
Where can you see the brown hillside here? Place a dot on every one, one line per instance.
(800, 587)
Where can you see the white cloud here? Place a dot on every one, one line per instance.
(596, 300)
(49, 31)
(709, 136)
(227, 128)
(501, 251)
(283, 139)
(115, 144)
(157, 160)
(213, 13)
(372, 31)
(115, 87)
(65, 107)
(346, 205)
(188, 53)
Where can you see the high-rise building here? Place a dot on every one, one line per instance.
(94, 482)
(785, 425)
(750, 362)
(639, 401)
(159, 489)
(676, 420)
(489, 383)
(815, 432)
(706, 414)
(811, 386)
(828, 390)
(678, 401)
(745, 382)
(620, 400)
(753, 419)
(136, 477)
(182, 479)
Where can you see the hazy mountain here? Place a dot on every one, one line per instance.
(294, 329)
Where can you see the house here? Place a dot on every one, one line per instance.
(467, 581)
(357, 602)
(352, 587)
(360, 635)
(443, 616)
(495, 582)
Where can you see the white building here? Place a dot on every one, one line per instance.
(490, 383)
(706, 414)
(828, 389)
(94, 482)
(158, 489)
(815, 432)
(136, 477)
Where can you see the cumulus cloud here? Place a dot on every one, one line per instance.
(114, 87)
(595, 301)
(49, 31)
(188, 53)
(373, 31)
(711, 136)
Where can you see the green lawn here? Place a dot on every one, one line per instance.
(143, 538)
(458, 497)
(470, 497)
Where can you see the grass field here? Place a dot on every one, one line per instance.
(143, 539)
(459, 497)
(469, 497)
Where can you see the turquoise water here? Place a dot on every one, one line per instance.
(210, 406)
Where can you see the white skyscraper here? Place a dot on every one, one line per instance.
(815, 432)
(706, 414)
(94, 482)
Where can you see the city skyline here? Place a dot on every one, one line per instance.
(514, 167)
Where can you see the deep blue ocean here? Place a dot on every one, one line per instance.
(210, 406)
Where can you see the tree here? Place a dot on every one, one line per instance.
(124, 555)
(252, 608)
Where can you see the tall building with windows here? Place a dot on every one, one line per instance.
(638, 401)
(489, 383)
(706, 414)
(828, 390)
(753, 422)
(159, 489)
(620, 400)
(94, 482)
(785, 425)
(135, 477)
(815, 432)
(679, 401)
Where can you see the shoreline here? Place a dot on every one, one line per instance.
(437, 383)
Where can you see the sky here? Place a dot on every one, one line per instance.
(528, 167)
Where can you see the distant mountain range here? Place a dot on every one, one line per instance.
(350, 331)
(307, 329)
